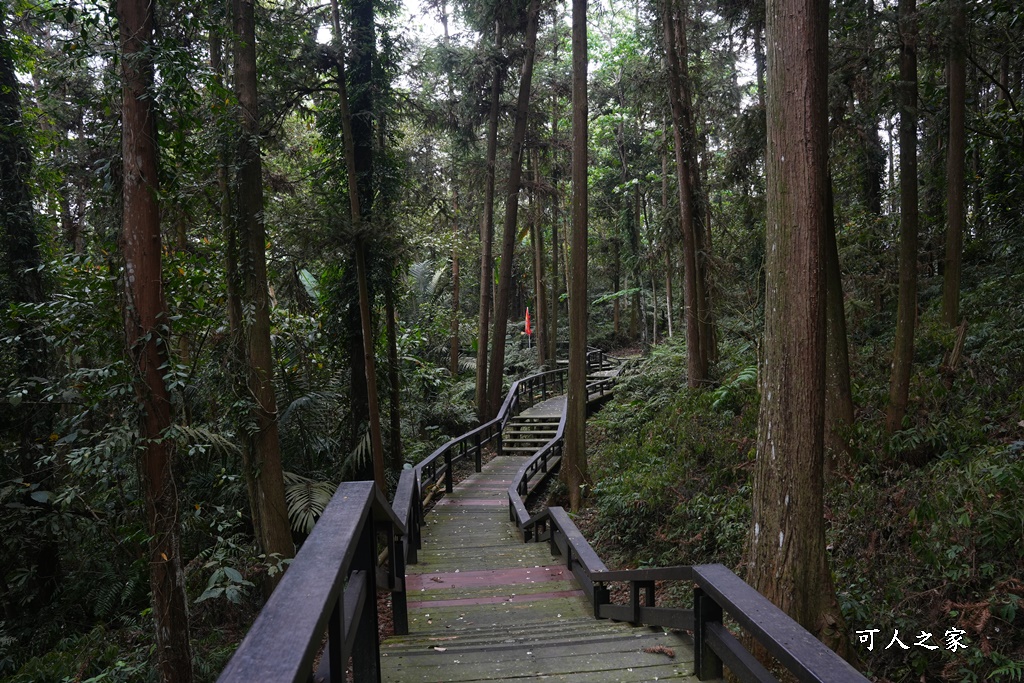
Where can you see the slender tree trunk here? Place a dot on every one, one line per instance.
(394, 387)
(696, 359)
(668, 287)
(356, 192)
(654, 301)
(487, 233)
(261, 449)
(667, 229)
(906, 314)
(497, 367)
(787, 560)
(453, 352)
(701, 208)
(556, 217)
(838, 392)
(574, 466)
(955, 162)
(540, 284)
(617, 282)
(146, 327)
(227, 223)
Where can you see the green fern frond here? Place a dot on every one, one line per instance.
(307, 499)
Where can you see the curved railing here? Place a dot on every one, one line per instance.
(521, 395)
(330, 589)
(718, 591)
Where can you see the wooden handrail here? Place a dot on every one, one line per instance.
(719, 591)
(329, 588)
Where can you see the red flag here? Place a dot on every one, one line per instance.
(528, 330)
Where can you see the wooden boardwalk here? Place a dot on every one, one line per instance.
(484, 606)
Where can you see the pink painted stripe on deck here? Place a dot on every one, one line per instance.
(486, 577)
(475, 502)
(495, 600)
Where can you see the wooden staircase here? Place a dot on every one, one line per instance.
(526, 433)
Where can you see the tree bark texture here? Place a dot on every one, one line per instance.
(487, 232)
(358, 168)
(556, 218)
(574, 466)
(701, 208)
(696, 365)
(394, 378)
(906, 311)
(496, 370)
(787, 560)
(955, 162)
(147, 329)
(540, 290)
(261, 447)
(838, 390)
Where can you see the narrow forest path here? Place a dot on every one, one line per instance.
(484, 606)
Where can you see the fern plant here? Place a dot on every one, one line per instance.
(307, 499)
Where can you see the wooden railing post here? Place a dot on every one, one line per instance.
(366, 646)
(396, 575)
(449, 483)
(601, 597)
(478, 461)
(336, 639)
(706, 664)
(634, 598)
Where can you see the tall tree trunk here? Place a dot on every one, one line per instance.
(701, 208)
(838, 392)
(357, 147)
(667, 229)
(696, 365)
(509, 229)
(394, 387)
(906, 313)
(540, 284)
(487, 232)
(654, 302)
(617, 281)
(228, 227)
(453, 346)
(261, 450)
(787, 560)
(146, 334)
(668, 287)
(574, 466)
(955, 162)
(556, 217)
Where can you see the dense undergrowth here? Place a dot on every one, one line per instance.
(925, 528)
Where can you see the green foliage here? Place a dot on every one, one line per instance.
(669, 465)
(306, 500)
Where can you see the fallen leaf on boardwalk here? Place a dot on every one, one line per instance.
(439, 648)
(437, 580)
(661, 650)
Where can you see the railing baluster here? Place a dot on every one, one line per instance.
(366, 648)
(706, 664)
(336, 640)
(449, 484)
